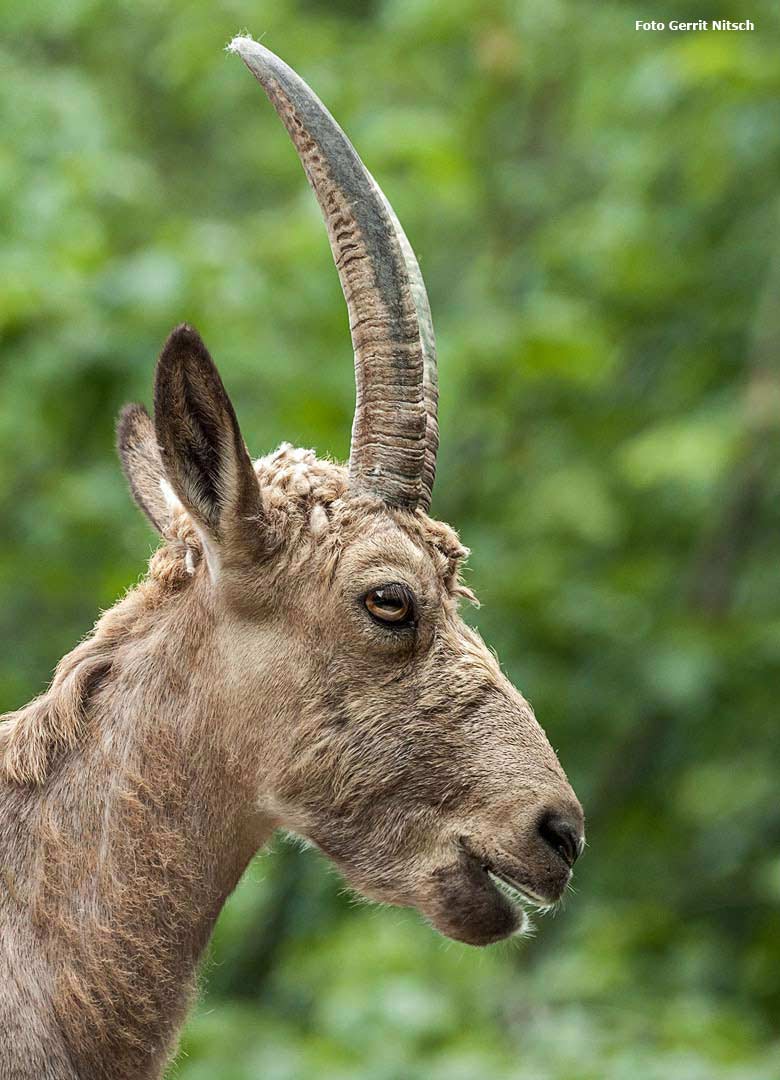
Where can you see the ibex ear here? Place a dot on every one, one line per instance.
(142, 464)
(203, 454)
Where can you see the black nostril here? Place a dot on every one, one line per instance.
(562, 835)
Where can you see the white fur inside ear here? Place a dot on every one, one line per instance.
(210, 553)
(318, 519)
(172, 500)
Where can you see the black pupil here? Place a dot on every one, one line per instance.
(385, 599)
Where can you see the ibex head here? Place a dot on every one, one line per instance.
(385, 730)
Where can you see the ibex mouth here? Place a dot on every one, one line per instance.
(507, 881)
(519, 894)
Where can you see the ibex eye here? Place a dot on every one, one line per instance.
(391, 604)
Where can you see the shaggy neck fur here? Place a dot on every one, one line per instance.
(126, 823)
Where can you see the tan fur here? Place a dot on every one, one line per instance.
(242, 686)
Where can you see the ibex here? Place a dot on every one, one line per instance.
(293, 659)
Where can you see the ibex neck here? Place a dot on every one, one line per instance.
(118, 865)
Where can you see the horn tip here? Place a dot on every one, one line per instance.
(255, 56)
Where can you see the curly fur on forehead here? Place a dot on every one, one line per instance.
(308, 505)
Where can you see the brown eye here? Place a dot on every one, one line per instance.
(391, 604)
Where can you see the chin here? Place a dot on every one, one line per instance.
(478, 902)
(467, 904)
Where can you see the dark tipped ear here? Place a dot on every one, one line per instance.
(203, 454)
(142, 464)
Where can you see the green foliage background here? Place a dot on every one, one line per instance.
(595, 212)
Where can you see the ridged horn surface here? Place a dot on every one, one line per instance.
(395, 431)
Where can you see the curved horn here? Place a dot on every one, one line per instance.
(395, 431)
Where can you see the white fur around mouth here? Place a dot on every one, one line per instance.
(517, 896)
